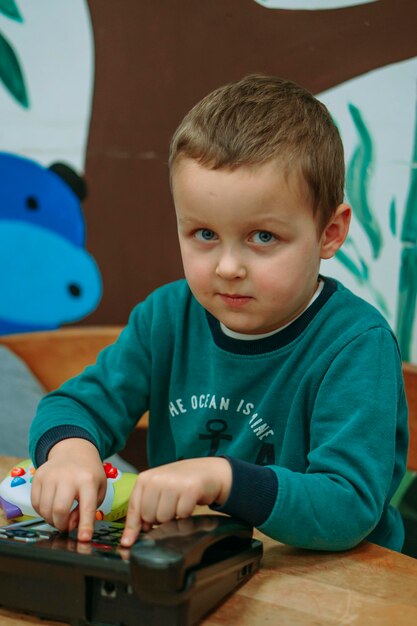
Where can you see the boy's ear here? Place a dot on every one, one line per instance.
(336, 231)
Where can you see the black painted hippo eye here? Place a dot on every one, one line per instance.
(32, 203)
(75, 290)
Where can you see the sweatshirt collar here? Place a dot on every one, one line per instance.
(276, 340)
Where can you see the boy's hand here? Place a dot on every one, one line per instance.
(172, 491)
(73, 471)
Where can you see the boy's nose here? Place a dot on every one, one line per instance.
(230, 266)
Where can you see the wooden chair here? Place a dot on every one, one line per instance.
(56, 355)
(410, 380)
(406, 497)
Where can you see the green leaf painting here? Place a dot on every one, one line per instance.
(357, 182)
(358, 176)
(9, 9)
(409, 227)
(393, 217)
(11, 73)
(407, 300)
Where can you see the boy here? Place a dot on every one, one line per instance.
(274, 393)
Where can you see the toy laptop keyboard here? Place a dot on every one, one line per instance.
(173, 575)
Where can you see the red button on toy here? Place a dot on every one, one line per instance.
(17, 471)
(112, 472)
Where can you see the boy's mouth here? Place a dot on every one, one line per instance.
(234, 299)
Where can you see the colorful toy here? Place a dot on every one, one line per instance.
(16, 487)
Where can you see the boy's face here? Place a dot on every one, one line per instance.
(249, 243)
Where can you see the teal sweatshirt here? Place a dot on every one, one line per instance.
(313, 419)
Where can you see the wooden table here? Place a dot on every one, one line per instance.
(367, 586)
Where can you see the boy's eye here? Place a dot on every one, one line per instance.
(263, 237)
(205, 234)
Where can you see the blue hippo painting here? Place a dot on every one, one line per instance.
(47, 278)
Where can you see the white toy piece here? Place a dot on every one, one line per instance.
(15, 493)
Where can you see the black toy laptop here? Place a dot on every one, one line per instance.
(173, 575)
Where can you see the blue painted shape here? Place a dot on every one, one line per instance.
(17, 481)
(9, 327)
(45, 280)
(34, 194)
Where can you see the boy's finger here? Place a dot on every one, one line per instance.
(87, 514)
(166, 508)
(132, 528)
(130, 535)
(133, 521)
(149, 504)
(35, 494)
(61, 503)
(73, 520)
(186, 505)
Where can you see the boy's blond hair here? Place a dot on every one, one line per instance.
(262, 118)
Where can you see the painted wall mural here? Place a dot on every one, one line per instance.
(47, 276)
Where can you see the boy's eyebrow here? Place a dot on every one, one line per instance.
(185, 220)
(268, 223)
(255, 220)
(272, 220)
(190, 220)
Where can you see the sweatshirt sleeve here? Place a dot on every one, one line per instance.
(357, 451)
(104, 403)
(264, 488)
